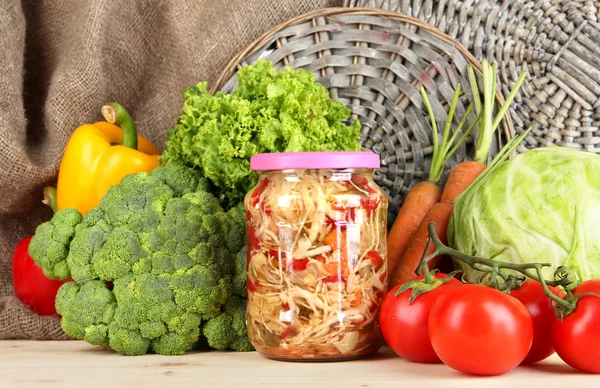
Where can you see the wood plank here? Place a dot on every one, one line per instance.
(77, 364)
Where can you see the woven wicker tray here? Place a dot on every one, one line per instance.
(373, 61)
(558, 42)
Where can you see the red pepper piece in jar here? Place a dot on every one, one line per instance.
(321, 258)
(331, 279)
(341, 224)
(298, 264)
(369, 204)
(255, 198)
(252, 239)
(275, 254)
(347, 206)
(374, 258)
(252, 286)
(362, 183)
(266, 209)
(288, 332)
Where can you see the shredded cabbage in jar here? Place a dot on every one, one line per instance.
(316, 264)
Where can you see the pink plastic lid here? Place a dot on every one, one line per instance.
(314, 160)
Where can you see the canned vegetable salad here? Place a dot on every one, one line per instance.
(317, 269)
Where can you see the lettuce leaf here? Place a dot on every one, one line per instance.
(270, 111)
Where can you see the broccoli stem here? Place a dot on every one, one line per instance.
(116, 114)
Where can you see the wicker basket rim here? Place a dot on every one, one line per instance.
(252, 48)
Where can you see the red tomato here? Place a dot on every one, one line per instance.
(539, 306)
(32, 287)
(576, 337)
(479, 330)
(404, 326)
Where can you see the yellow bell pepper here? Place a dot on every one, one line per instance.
(98, 156)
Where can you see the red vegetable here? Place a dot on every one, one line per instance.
(576, 337)
(375, 259)
(252, 286)
(31, 286)
(288, 332)
(362, 183)
(298, 264)
(255, 198)
(479, 330)
(252, 242)
(532, 295)
(404, 325)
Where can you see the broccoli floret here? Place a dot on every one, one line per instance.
(239, 274)
(49, 246)
(86, 309)
(234, 222)
(146, 312)
(228, 330)
(169, 250)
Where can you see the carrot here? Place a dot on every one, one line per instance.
(336, 239)
(424, 195)
(417, 203)
(358, 298)
(461, 177)
(410, 261)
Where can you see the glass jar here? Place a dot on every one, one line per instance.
(317, 269)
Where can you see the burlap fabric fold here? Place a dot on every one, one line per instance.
(61, 61)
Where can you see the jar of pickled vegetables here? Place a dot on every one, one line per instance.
(317, 269)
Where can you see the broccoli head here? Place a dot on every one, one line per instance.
(153, 263)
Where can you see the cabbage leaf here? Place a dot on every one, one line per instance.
(542, 206)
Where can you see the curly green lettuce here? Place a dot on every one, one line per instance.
(270, 111)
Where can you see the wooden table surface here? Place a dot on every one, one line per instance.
(77, 364)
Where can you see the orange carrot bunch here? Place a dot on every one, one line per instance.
(424, 195)
(407, 242)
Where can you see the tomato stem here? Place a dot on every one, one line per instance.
(495, 268)
(427, 277)
(566, 307)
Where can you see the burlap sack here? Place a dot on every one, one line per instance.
(61, 61)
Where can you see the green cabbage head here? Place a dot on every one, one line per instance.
(542, 206)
